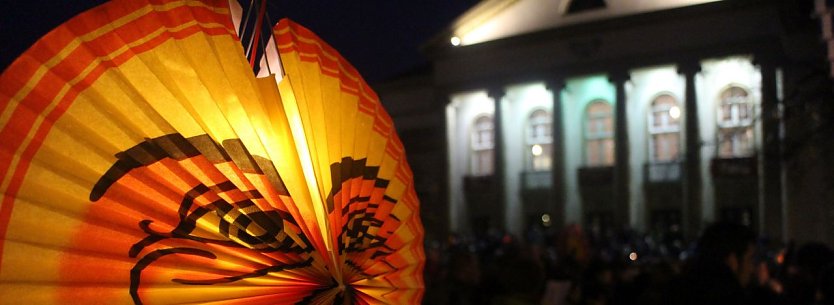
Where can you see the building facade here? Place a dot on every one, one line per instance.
(652, 115)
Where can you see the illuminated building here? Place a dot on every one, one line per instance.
(656, 115)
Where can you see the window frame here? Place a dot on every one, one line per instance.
(737, 126)
(545, 140)
(671, 126)
(601, 137)
(479, 148)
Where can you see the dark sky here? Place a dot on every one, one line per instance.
(380, 37)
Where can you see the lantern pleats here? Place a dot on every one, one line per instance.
(143, 162)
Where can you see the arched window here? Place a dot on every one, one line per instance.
(482, 144)
(664, 129)
(599, 134)
(539, 140)
(735, 123)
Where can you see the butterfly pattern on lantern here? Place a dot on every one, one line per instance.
(240, 221)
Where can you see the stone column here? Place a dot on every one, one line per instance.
(692, 183)
(557, 168)
(771, 218)
(621, 159)
(497, 94)
(449, 215)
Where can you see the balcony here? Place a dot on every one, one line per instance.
(536, 180)
(479, 183)
(596, 188)
(483, 204)
(734, 167)
(660, 172)
(596, 176)
(736, 187)
(537, 195)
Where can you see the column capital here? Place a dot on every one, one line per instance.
(496, 92)
(555, 83)
(689, 67)
(765, 60)
(619, 76)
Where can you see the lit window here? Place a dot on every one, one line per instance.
(539, 140)
(599, 134)
(482, 144)
(664, 129)
(735, 124)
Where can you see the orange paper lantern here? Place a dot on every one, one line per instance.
(143, 162)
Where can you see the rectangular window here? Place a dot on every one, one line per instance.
(539, 140)
(664, 129)
(482, 145)
(735, 124)
(599, 134)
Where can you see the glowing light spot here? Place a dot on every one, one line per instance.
(546, 220)
(632, 256)
(537, 150)
(455, 41)
(675, 112)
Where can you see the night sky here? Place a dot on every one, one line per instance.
(380, 37)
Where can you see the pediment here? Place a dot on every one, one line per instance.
(497, 19)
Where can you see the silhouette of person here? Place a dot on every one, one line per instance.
(721, 269)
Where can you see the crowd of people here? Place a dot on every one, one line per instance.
(727, 264)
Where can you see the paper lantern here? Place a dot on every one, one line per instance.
(143, 162)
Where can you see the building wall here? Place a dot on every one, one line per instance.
(808, 116)
(808, 155)
(576, 96)
(723, 36)
(645, 85)
(460, 115)
(717, 75)
(410, 102)
(517, 105)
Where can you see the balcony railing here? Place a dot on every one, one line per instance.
(734, 167)
(536, 180)
(599, 175)
(663, 171)
(483, 204)
(479, 184)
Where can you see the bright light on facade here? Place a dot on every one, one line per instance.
(537, 150)
(455, 41)
(675, 112)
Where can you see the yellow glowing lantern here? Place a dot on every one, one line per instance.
(142, 162)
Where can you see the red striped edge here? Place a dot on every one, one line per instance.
(131, 31)
(291, 37)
